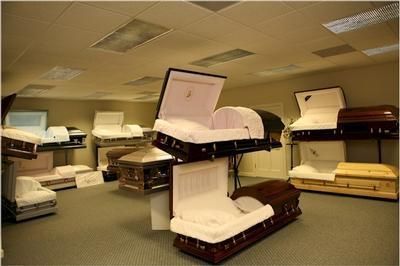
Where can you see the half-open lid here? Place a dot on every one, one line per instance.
(320, 100)
(189, 95)
(31, 121)
(6, 103)
(108, 118)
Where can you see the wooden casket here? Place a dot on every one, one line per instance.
(212, 226)
(189, 128)
(146, 170)
(361, 179)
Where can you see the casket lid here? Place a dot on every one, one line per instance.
(33, 121)
(148, 155)
(6, 103)
(323, 151)
(314, 100)
(108, 118)
(373, 170)
(187, 94)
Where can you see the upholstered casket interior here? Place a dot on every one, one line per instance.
(109, 125)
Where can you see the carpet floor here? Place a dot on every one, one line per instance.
(102, 225)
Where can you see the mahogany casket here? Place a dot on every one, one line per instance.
(146, 170)
(189, 128)
(212, 226)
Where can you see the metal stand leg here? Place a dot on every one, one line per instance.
(236, 171)
(379, 151)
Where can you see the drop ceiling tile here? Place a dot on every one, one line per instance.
(394, 26)
(41, 10)
(124, 7)
(285, 24)
(386, 57)
(323, 43)
(213, 26)
(370, 37)
(305, 35)
(230, 69)
(257, 62)
(350, 59)
(317, 64)
(9, 57)
(328, 11)
(28, 28)
(174, 15)
(14, 42)
(85, 17)
(251, 13)
(300, 4)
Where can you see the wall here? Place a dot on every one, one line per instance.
(372, 85)
(80, 114)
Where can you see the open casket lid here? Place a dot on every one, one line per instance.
(30, 120)
(6, 103)
(198, 179)
(108, 118)
(331, 99)
(323, 151)
(148, 155)
(189, 95)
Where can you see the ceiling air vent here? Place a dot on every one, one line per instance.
(337, 50)
(62, 73)
(133, 34)
(32, 90)
(97, 95)
(214, 5)
(143, 81)
(221, 58)
(381, 50)
(364, 19)
(276, 70)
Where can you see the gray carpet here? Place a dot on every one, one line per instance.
(104, 225)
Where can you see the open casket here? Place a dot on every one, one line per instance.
(16, 142)
(188, 127)
(23, 196)
(108, 128)
(324, 116)
(146, 170)
(211, 225)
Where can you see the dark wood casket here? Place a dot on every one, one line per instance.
(113, 156)
(188, 127)
(146, 170)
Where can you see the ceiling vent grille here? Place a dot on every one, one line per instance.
(98, 95)
(62, 73)
(214, 6)
(143, 81)
(337, 50)
(381, 50)
(133, 34)
(32, 90)
(221, 58)
(276, 70)
(364, 19)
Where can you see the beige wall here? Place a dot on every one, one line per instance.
(373, 85)
(80, 114)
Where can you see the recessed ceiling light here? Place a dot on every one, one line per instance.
(62, 73)
(98, 94)
(221, 58)
(337, 50)
(276, 70)
(360, 20)
(214, 5)
(34, 90)
(143, 81)
(133, 34)
(381, 50)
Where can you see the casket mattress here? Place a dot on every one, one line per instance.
(319, 170)
(17, 134)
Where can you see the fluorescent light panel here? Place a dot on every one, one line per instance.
(276, 70)
(143, 81)
(133, 34)
(221, 58)
(62, 73)
(381, 50)
(34, 90)
(364, 19)
(214, 5)
(337, 50)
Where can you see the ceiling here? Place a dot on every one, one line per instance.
(37, 36)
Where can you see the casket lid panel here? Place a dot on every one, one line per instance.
(104, 118)
(193, 179)
(189, 96)
(323, 151)
(148, 155)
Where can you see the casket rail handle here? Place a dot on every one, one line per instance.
(173, 143)
(235, 144)
(264, 225)
(244, 236)
(233, 240)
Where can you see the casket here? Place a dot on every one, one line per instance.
(113, 156)
(211, 225)
(16, 142)
(189, 128)
(369, 122)
(23, 196)
(361, 179)
(146, 170)
(319, 114)
(108, 129)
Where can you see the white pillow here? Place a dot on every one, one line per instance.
(211, 218)
(247, 204)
